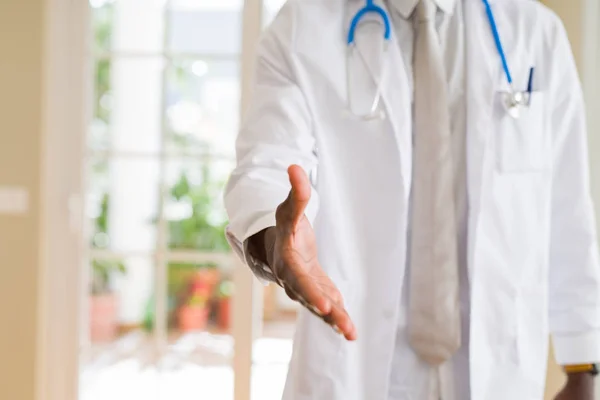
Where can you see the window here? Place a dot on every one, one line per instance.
(160, 148)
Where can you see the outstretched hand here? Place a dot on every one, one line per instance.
(294, 259)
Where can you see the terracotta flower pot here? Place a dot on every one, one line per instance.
(208, 277)
(103, 317)
(192, 318)
(224, 314)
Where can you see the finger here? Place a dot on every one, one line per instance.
(339, 318)
(332, 292)
(332, 311)
(307, 288)
(299, 196)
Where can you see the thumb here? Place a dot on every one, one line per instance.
(299, 195)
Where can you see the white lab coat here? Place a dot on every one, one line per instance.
(532, 256)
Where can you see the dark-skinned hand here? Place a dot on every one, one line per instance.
(290, 249)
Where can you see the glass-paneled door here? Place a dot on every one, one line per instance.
(167, 85)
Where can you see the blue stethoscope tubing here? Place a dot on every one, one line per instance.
(371, 8)
(499, 47)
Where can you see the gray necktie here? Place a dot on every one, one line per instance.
(434, 314)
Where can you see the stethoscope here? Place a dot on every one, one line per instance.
(514, 101)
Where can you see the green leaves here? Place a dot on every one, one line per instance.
(202, 230)
(102, 271)
(226, 289)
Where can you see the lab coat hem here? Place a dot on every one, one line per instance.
(577, 349)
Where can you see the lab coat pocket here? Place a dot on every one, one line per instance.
(522, 144)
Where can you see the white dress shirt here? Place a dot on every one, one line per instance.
(452, 379)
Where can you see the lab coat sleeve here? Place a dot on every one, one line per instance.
(277, 131)
(574, 297)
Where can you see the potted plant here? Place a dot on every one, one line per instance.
(224, 295)
(192, 314)
(201, 229)
(103, 301)
(207, 274)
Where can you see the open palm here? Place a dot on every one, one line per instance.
(295, 260)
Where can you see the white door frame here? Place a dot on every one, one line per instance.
(66, 79)
(247, 302)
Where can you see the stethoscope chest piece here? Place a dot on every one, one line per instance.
(514, 102)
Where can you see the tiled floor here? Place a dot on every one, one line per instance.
(195, 366)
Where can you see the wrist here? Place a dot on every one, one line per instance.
(582, 383)
(261, 245)
(270, 238)
(579, 377)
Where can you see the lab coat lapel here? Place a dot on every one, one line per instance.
(395, 93)
(483, 72)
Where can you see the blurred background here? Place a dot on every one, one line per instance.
(160, 146)
(118, 125)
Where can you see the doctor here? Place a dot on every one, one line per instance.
(414, 172)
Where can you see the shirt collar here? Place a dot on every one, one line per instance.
(406, 7)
